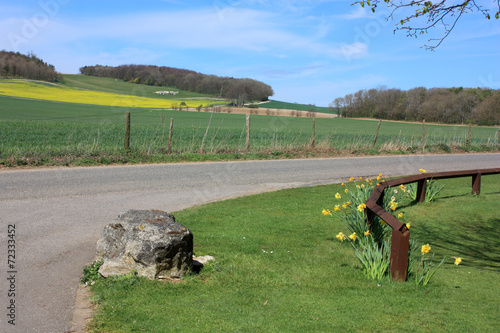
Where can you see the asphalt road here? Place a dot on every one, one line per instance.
(59, 213)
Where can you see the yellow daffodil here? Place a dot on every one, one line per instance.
(362, 185)
(426, 248)
(340, 237)
(378, 178)
(344, 206)
(353, 236)
(357, 186)
(360, 178)
(351, 179)
(367, 233)
(402, 186)
(408, 225)
(361, 207)
(348, 203)
(342, 184)
(337, 196)
(380, 175)
(346, 190)
(458, 261)
(326, 212)
(422, 170)
(394, 205)
(336, 208)
(400, 215)
(383, 222)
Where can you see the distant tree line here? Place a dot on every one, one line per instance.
(15, 64)
(239, 91)
(445, 105)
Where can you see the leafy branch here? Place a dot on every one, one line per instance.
(440, 13)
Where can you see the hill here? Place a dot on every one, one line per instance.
(240, 91)
(17, 65)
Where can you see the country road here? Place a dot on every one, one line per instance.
(59, 213)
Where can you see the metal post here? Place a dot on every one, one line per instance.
(476, 184)
(400, 246)
(421, 188)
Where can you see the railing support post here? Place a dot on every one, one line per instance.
(400, 246)
(476, 183)
(421, 188)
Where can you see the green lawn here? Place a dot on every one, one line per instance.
(279, 268)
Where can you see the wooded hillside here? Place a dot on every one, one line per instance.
(15, 64)
(239, 91)
(452, 106)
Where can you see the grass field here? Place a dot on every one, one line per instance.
(44, 132)
(279, 268)
(54, 131)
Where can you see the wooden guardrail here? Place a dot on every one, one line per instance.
(400, 234)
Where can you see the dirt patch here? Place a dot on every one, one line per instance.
(264, 112)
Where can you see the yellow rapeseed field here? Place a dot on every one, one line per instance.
(53, 92)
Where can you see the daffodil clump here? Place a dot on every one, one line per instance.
(432, 189)
(350, 207)
(371, 239)
(421, 266)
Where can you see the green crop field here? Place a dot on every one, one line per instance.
(120, 87)
(54, 131)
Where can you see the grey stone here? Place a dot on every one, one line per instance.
(150, 242)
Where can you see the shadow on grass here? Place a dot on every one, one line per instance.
(475, 241)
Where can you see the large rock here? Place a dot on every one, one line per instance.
(150, 242)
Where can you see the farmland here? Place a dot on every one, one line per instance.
(58, 93)
(45, 124)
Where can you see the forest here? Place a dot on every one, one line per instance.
(15, 64)
(239, 91)
(445, 105)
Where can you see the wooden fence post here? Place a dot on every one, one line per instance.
(127, 131)
(247, 144)
(470, 134)
(171, 130)
(376, 134)
(423, 135)
(202, 148)
(313, 137)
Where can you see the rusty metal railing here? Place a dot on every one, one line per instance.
(400, 234)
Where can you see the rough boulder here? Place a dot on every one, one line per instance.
(150, 242)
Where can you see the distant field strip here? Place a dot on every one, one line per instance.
(51, 92)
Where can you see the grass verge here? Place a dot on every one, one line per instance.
(279, 268)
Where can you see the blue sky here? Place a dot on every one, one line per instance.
(309, 51)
